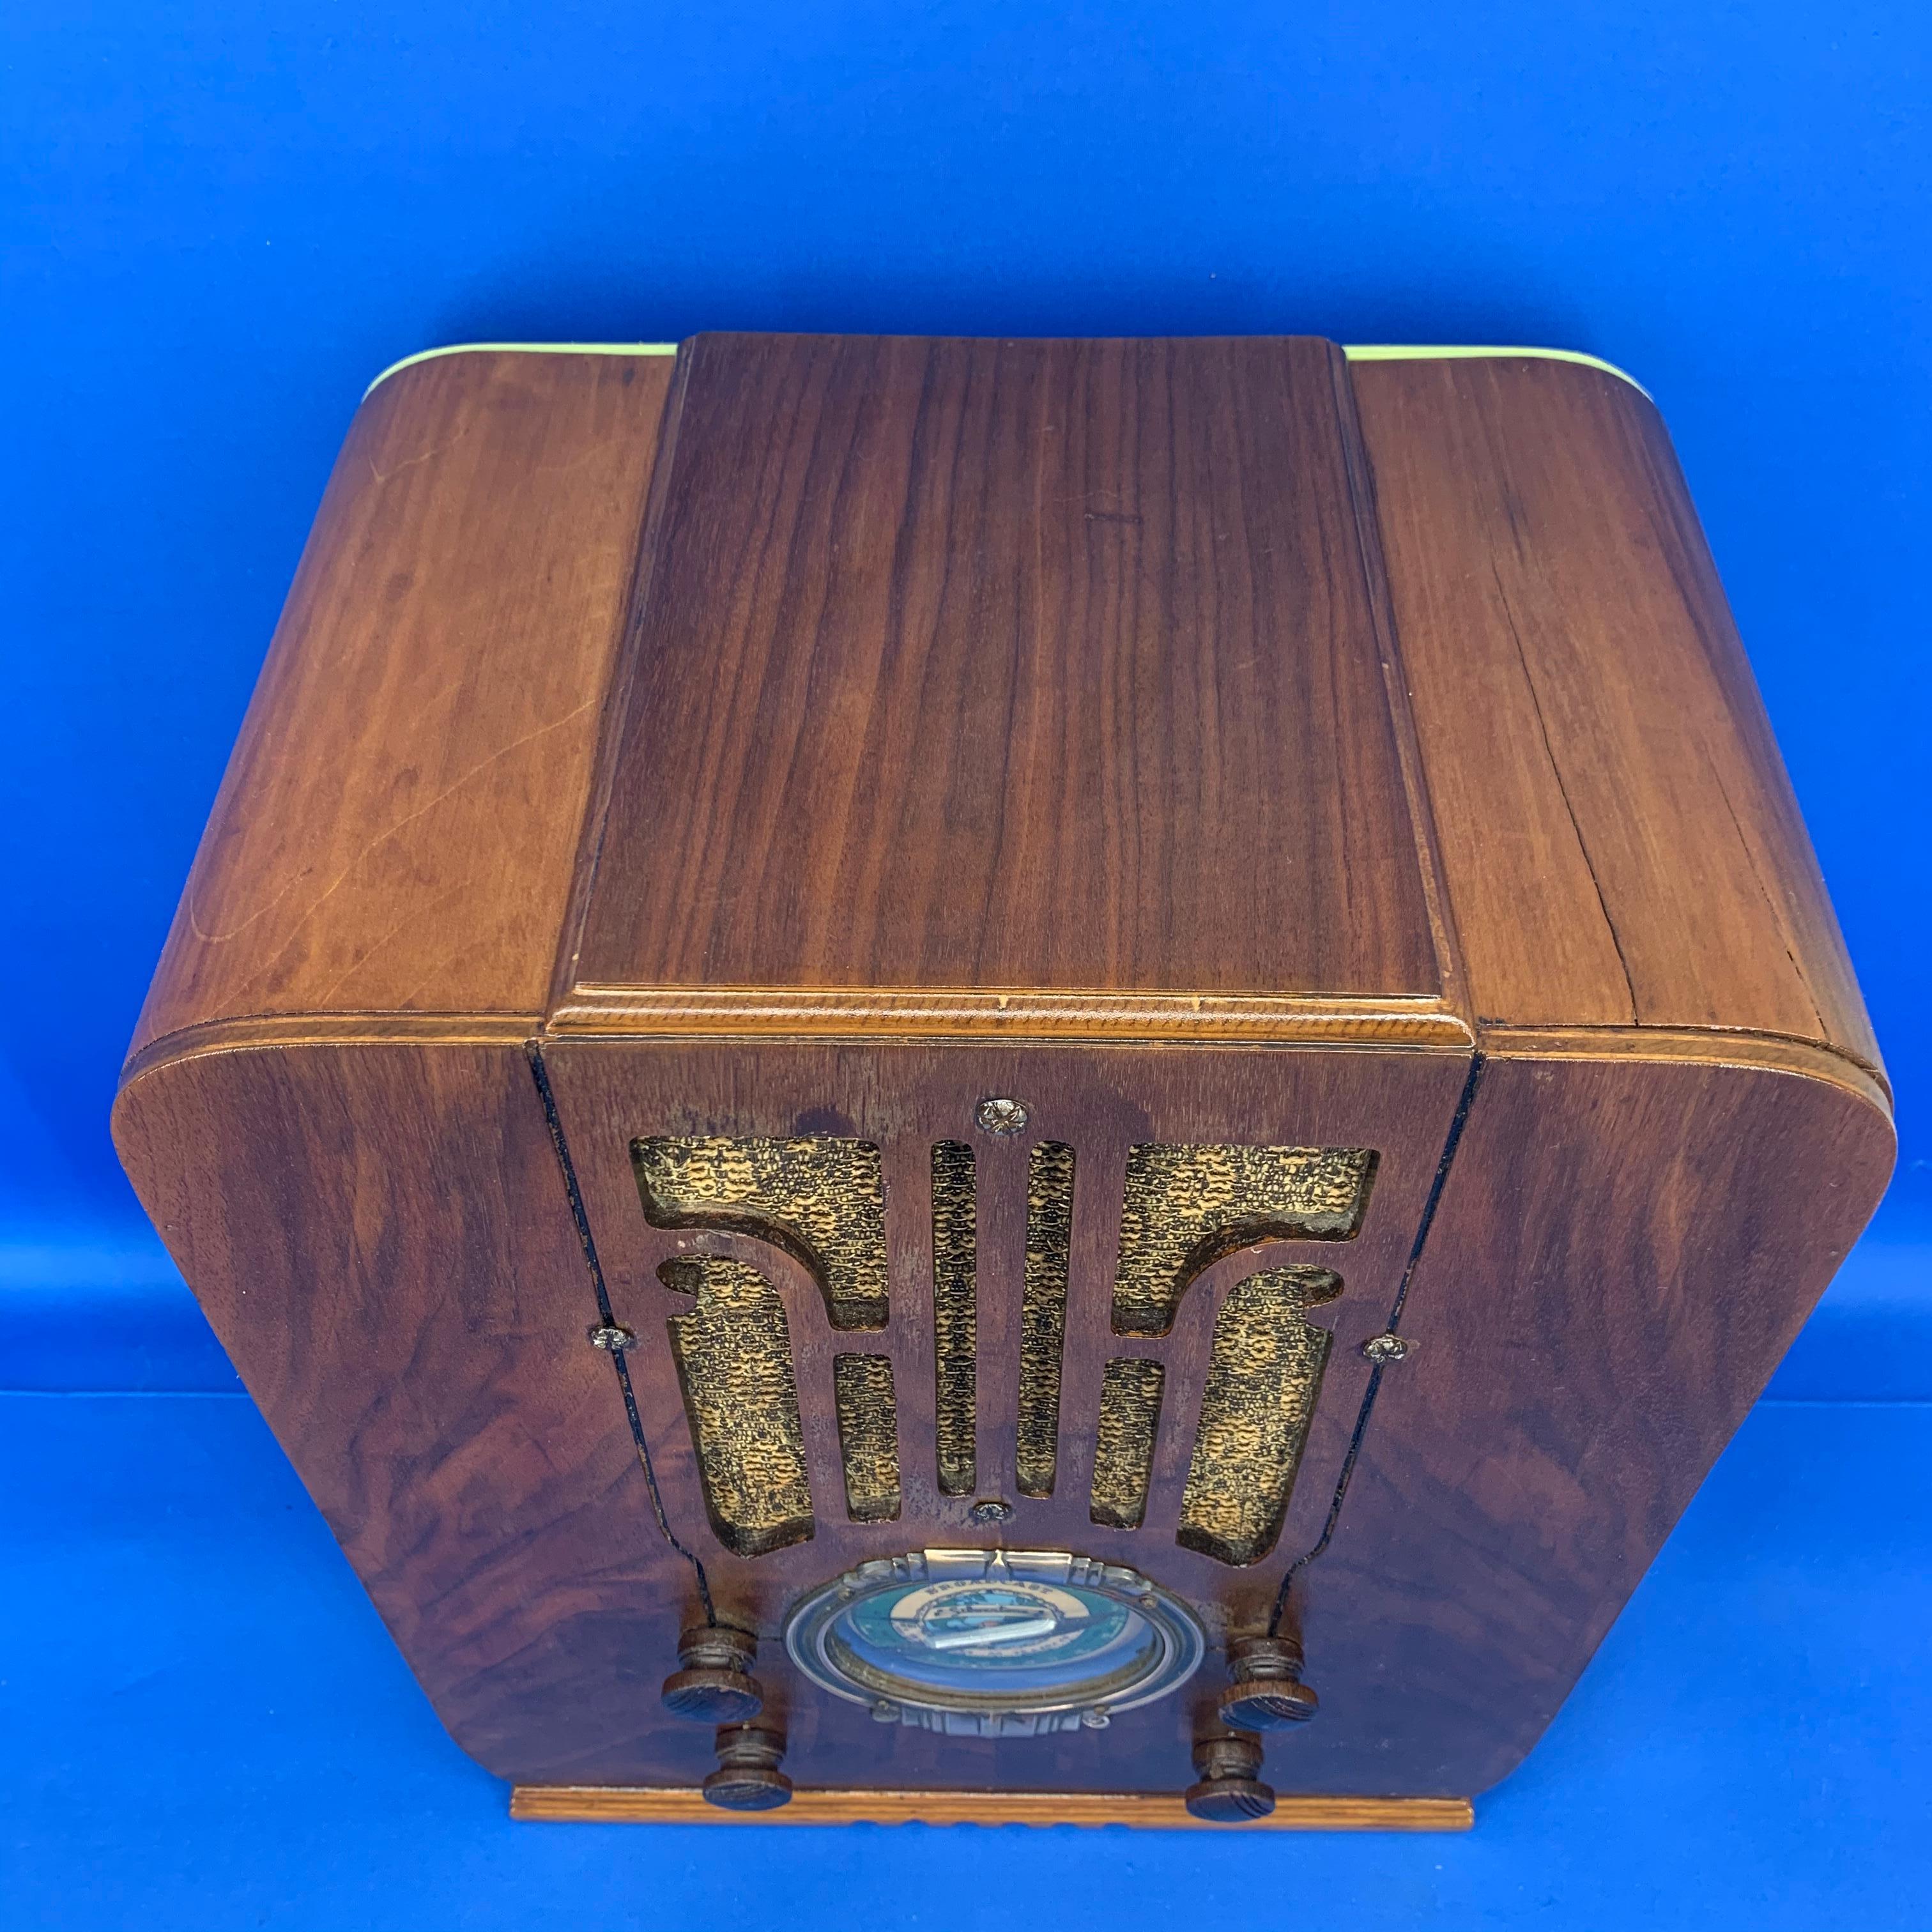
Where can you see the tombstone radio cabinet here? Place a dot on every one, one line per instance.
(982, 1079)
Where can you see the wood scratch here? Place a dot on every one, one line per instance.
(362, 852)
(410, 462)
(1563, 790)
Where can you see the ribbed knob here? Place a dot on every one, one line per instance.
(1265, 1692)
(747, 1778)
(715, 1685)
(1228, 1791)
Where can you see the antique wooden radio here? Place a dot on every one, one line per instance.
(1004, 1079)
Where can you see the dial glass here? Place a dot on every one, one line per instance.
(991, 1638)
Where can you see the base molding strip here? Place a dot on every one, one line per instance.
(587, 1803)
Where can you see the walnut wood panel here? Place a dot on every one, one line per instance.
(378, 1236)
(1099, 1100)
(397, 825)
(1008, 665)
(1148, 1810)
(1619, 840)
(1623, 1251)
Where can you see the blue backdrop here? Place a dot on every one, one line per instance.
(218, 220)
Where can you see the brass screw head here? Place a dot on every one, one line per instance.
(1388, 1348)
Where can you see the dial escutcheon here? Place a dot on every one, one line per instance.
(994, 1643)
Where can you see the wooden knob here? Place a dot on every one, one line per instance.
(714, 1685)
(747, 1778)
(1265, 1692)
(1228, 1791)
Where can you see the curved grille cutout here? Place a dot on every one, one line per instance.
(733, 1348)
(821, 1200)
(1186, 1207)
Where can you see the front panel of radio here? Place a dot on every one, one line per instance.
(1040, 1301)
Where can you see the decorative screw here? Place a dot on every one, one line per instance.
(991, 1510)
(885, 1712)
(1388, 1348)
(612, 1335)
(1098, 1718)
(1002, 1116)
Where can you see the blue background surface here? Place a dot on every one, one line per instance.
(218, 221)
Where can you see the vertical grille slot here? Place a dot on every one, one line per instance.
(1264, 1375)
(869, 1435)
(1130, 1425)
(1043, 1315)
(955, 1320)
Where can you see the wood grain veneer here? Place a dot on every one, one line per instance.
(377, 1236)
(907, 704)
(412, 772)
(1619, 841)
(1204, 742)
(1155, 1811)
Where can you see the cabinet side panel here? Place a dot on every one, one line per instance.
(1623, 1251)
(398, 822)
(380, 1237)
(1620, 840)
